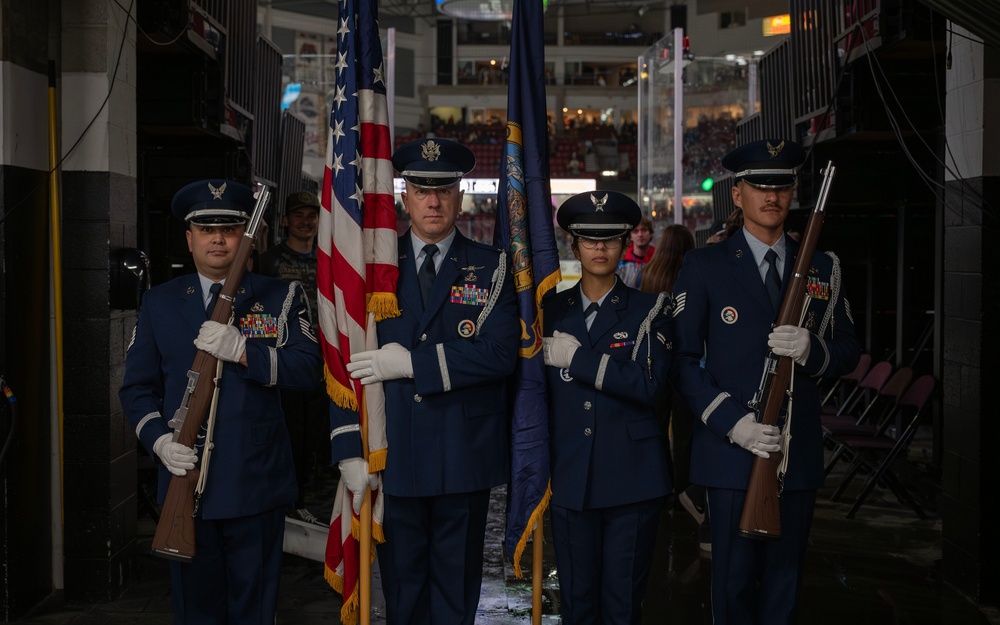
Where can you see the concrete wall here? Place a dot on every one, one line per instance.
(971, 305)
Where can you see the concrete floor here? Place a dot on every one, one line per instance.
(882, 567)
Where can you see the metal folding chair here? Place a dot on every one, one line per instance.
(849, 380)
(877, 453)
(872, 420)
(866, 391)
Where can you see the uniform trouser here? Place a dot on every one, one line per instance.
(432, 559)
(754, 581)
(235, 573)
(603, 557)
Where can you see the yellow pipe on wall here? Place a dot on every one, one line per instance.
(56, 221)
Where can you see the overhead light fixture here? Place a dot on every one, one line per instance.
(480, 10)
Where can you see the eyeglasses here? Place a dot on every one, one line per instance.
(609, 244)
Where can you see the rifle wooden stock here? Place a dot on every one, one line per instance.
(761, 517)
(174, 536)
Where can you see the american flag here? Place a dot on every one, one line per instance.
(356, 267)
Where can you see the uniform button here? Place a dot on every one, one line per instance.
(423, 337)
(586, 405)
(587, 431)
(418, 398)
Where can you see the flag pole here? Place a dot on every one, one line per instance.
(536, 574)
(365, 533)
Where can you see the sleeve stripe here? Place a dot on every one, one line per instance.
(443, 365)
(601, 370)
(712, 406)
(345, 429)
(145, 420)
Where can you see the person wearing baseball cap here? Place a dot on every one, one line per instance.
(294, 260)
(606, 348)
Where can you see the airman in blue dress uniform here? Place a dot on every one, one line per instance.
(606, 370)
(443, 364)
(724, 313)
(251, 479)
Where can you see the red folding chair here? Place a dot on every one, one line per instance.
(871, 422)
(867, 392)
(850, 380)
(877, 453)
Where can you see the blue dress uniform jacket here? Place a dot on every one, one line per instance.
(605, 438)
(447, 427)
(251, 468)
(722, 313)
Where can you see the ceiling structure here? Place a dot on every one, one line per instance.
(981, 17)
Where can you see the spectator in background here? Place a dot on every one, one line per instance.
(638, 253)
(574, 165)
(294, 259)
(660, 274)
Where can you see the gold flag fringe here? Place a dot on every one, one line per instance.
(536, 517)
(377, 459)
(339, 394)
(547, 284)
(384, 305)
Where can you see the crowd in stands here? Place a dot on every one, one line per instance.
(586, 148)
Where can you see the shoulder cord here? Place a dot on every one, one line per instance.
(835, 279)
(286, 306)
(496, 285)
(644, 327)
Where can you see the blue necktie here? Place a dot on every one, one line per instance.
(591, 310)
(214, 290)
(426, 274)
(772, 281)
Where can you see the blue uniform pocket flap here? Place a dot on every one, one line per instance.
(644, 428)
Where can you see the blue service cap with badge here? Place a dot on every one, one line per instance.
(765, 164)
(599, 215)
(214, 202)
(433, 163)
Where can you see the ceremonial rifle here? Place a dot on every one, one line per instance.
(174, 537)
(761, 516)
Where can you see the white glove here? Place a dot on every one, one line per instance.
(757, 438)
(221, 340)
(791, 341)
(391, 362)
(558, 349)
(356, 478)
(176, 457)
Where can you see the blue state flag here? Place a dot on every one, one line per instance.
(524, 229)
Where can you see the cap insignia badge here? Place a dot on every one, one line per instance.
(430, 151)
(739, 253)
(217, 191)
(774, 151)
(190, 290)
(599, 203)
